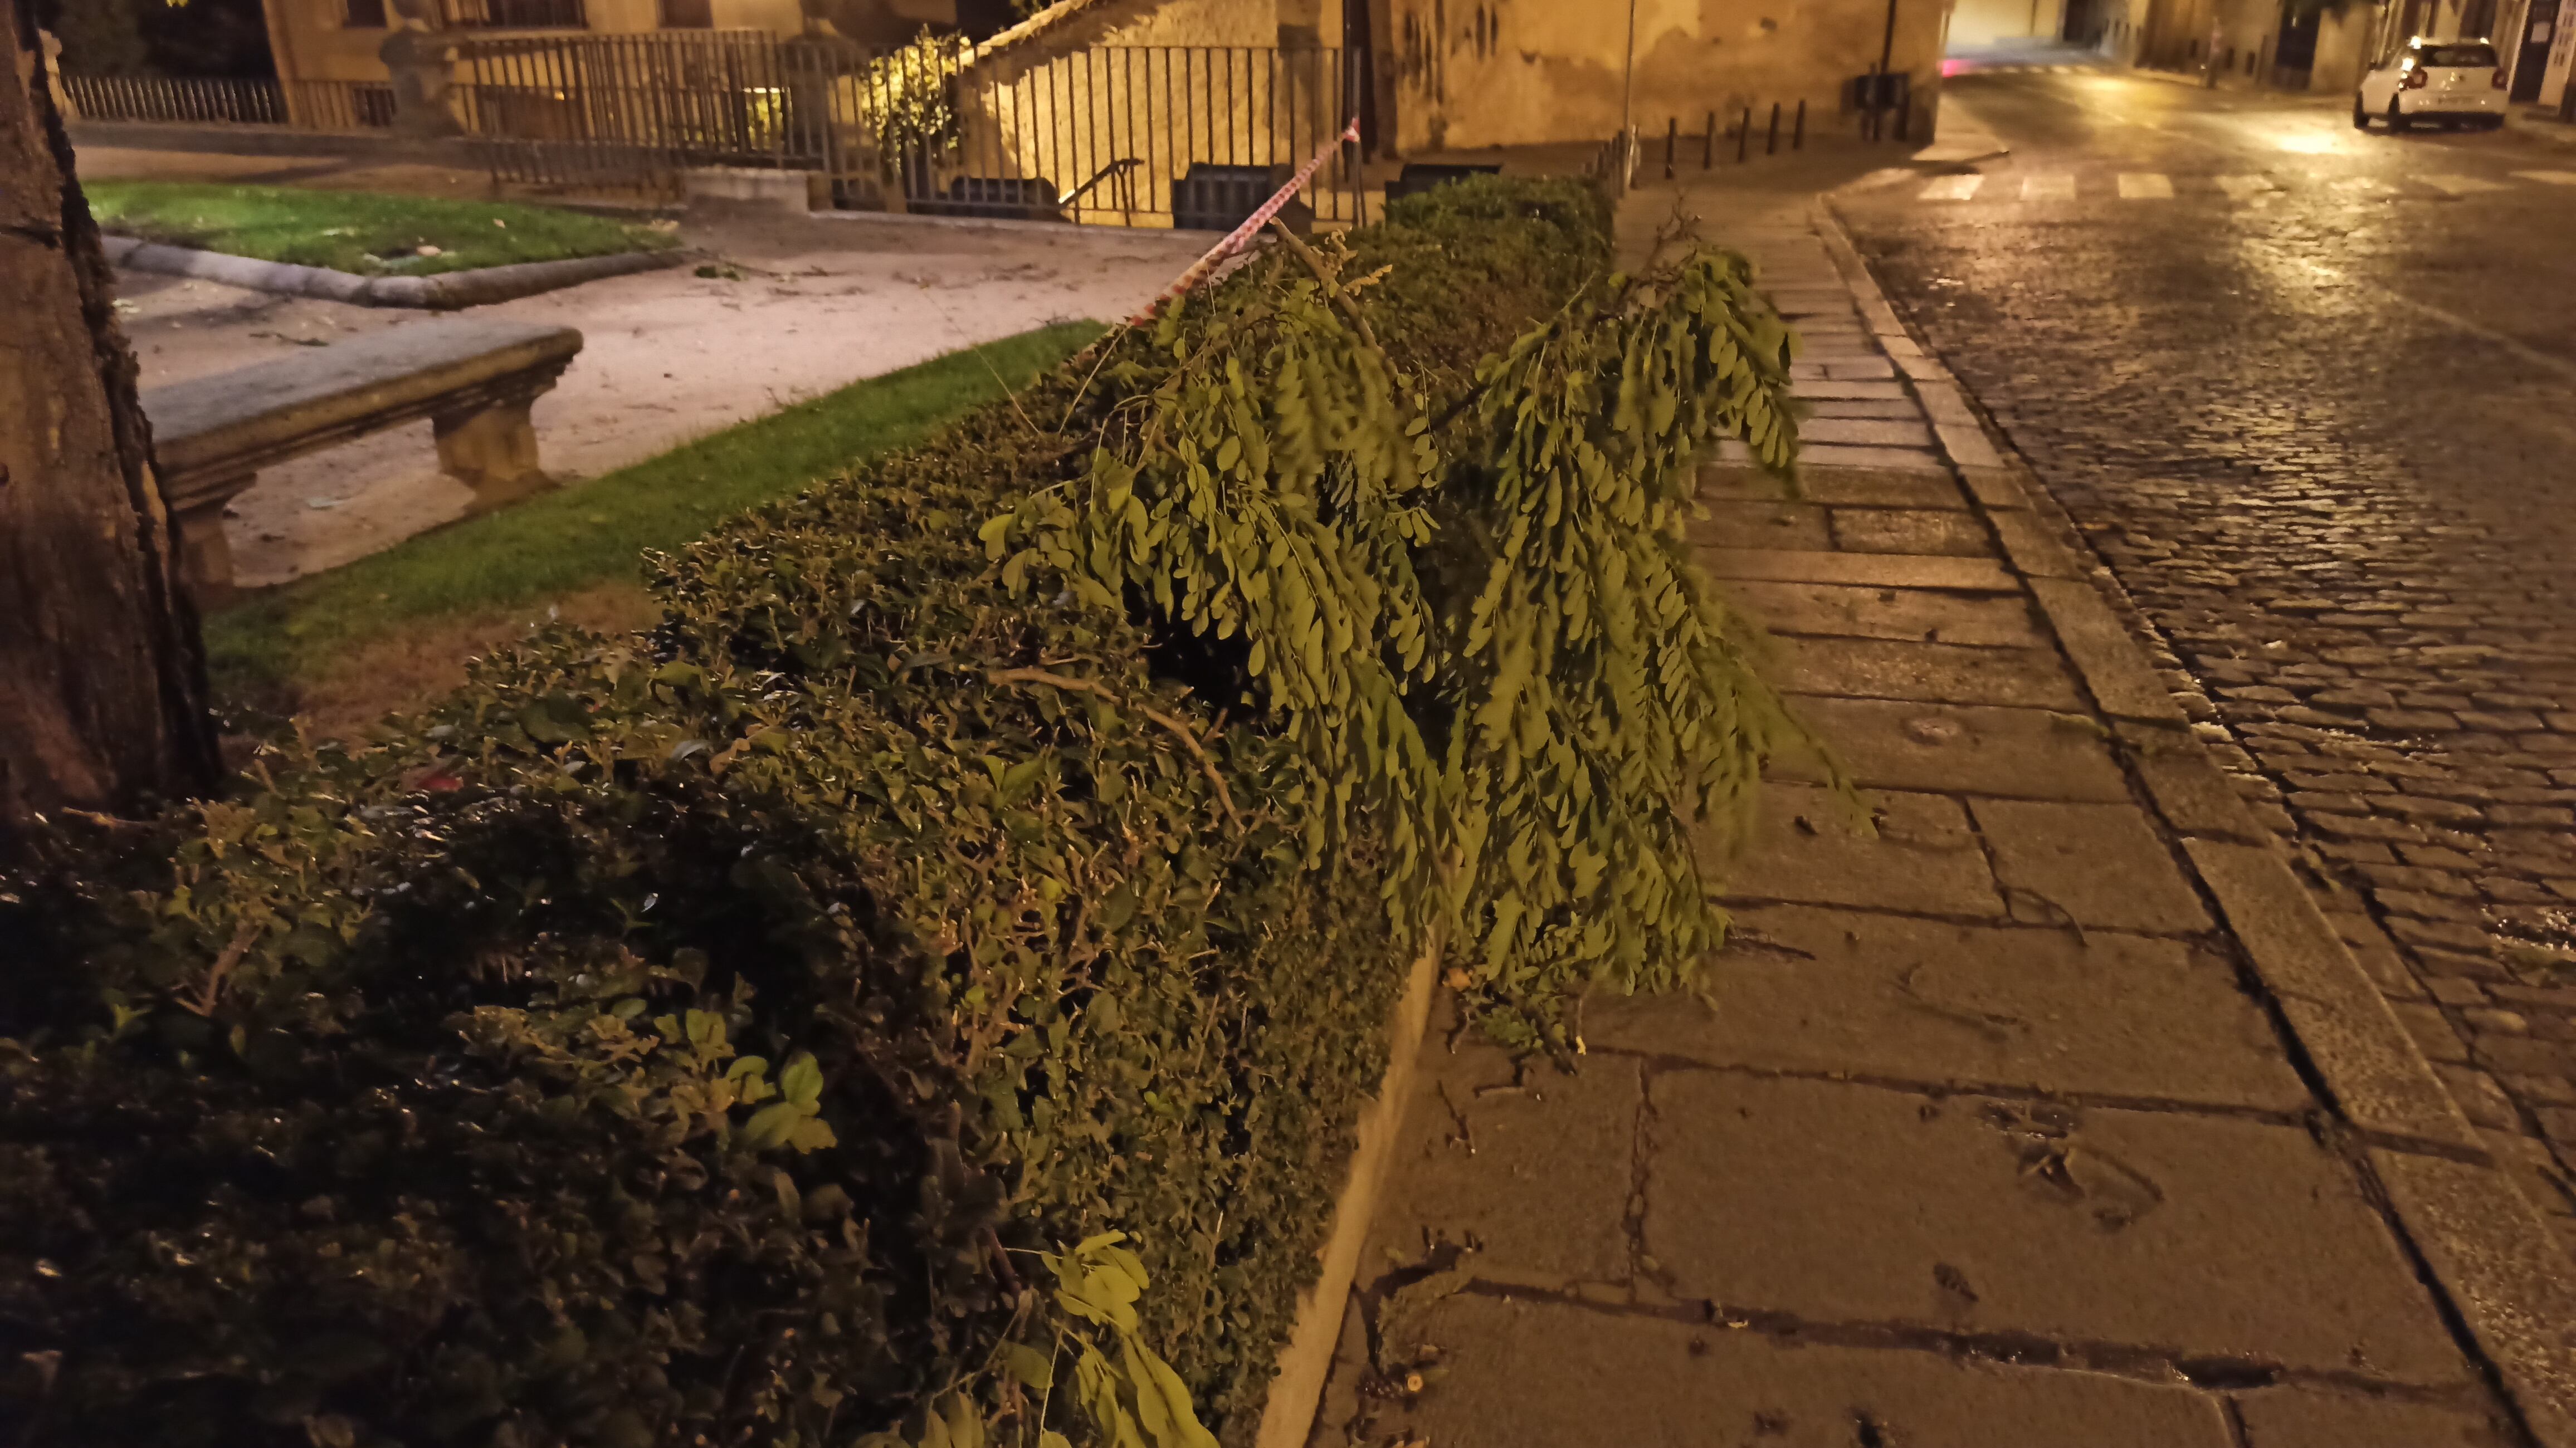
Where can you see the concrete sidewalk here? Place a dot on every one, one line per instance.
(2050, 1114)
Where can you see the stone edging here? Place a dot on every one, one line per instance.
(1306, 1359)
(444, 292)
(2478, 1237)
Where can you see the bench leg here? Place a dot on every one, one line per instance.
(205, 554)
(493, 450)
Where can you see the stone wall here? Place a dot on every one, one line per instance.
(1470, 74)
(311, 42)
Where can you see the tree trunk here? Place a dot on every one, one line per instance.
(102, 680)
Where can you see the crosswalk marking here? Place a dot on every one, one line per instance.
(2157, 186)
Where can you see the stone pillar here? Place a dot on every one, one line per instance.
(422, 58)
(205, 554)
(491, 447)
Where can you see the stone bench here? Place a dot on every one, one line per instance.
(473, 379)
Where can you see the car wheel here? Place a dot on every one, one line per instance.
(2360, 117)
(2396, 118)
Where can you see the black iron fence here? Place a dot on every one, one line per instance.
(196, 100)
(1186, 136)
(636, 111)
(1193, 136)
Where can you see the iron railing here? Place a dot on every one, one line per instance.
(185, 99)
(1193, 136)
(1177, 136)
(340, 105)
(312, 105)
(634, 111)
(1188, 136)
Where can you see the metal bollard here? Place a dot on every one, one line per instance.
(1708, 147)
(1798, 139)
(1672, 139)
(1771, 147)
(1743, 133)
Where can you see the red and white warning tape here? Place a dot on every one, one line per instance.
(1241, 236)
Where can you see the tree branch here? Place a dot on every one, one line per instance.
(1179, 730)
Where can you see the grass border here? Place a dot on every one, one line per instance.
(273, 645)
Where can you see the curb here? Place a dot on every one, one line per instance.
(1011, 224)
(2488, 1254)
(2541, 128)
(1306, 1359)
(1966, 153)
(445, 292)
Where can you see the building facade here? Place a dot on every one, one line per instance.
(340, 40)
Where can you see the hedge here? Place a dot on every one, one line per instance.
(923, 990)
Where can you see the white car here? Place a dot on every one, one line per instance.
(2453, 82)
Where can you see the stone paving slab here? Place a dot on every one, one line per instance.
(1883, 570)
(1844, 611)
(1761, 525)
(1851, 371)
(1870, 431)
(2198, 1234)
(1850, 487)
(1967, 748)
(1529, 1374)
(1941, 673)
(1937, 533)
(1843, 455)
(1536, 1178)
(1812, 989)
(1897, 851)
(1862, 407)
(2099, 865)
(1817, 388)
(2305, 1418)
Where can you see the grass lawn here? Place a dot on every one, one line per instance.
(358, 231)
(272, 649)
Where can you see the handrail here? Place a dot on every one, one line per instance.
(1118, 167)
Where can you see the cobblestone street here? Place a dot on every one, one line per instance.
(2306, 391)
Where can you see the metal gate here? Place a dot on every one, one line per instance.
(1193, 136)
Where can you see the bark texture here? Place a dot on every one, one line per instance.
(102, 679)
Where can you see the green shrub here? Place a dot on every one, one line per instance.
(754, 1031)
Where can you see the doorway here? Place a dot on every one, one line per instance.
(2530, 67)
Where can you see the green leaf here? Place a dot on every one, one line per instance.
(769, 1126)
(1162, 1400)
(801, 1084)
(1028, 1366)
